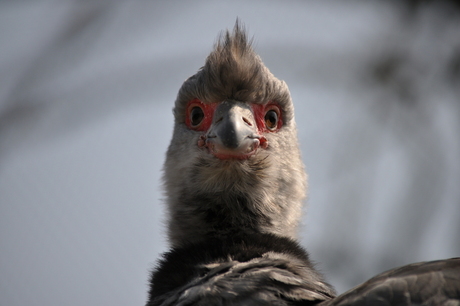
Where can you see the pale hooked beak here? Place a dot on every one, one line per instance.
(233, 133)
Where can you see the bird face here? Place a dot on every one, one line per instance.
(233, 164)
(232, 129)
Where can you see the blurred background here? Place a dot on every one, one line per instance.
(86, 93)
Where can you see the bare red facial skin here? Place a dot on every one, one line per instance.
(208, 110)
(259, 111)
(259, 114)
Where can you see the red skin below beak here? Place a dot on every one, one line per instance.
(228, 154)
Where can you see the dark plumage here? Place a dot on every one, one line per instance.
(235, 184)
(435, 283)
(258, 269)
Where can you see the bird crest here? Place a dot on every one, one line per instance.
(233, 71)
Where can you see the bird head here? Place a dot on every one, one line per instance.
(234, 161)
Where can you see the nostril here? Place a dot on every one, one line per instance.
(247, 121)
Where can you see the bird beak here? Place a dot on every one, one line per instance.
(233, 133)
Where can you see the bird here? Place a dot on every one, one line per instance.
(235, 185)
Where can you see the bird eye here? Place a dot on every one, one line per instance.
(271, 119)
(196, 116)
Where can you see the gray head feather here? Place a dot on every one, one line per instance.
(233, 71)
(211, 197)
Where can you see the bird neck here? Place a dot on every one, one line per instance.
(208, 198)
(198, 216)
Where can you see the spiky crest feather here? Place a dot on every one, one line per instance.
(233, 71)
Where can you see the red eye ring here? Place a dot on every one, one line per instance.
(268, 117)
(198, 116)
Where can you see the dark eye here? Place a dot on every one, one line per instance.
(271, 119)
(196, 116)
